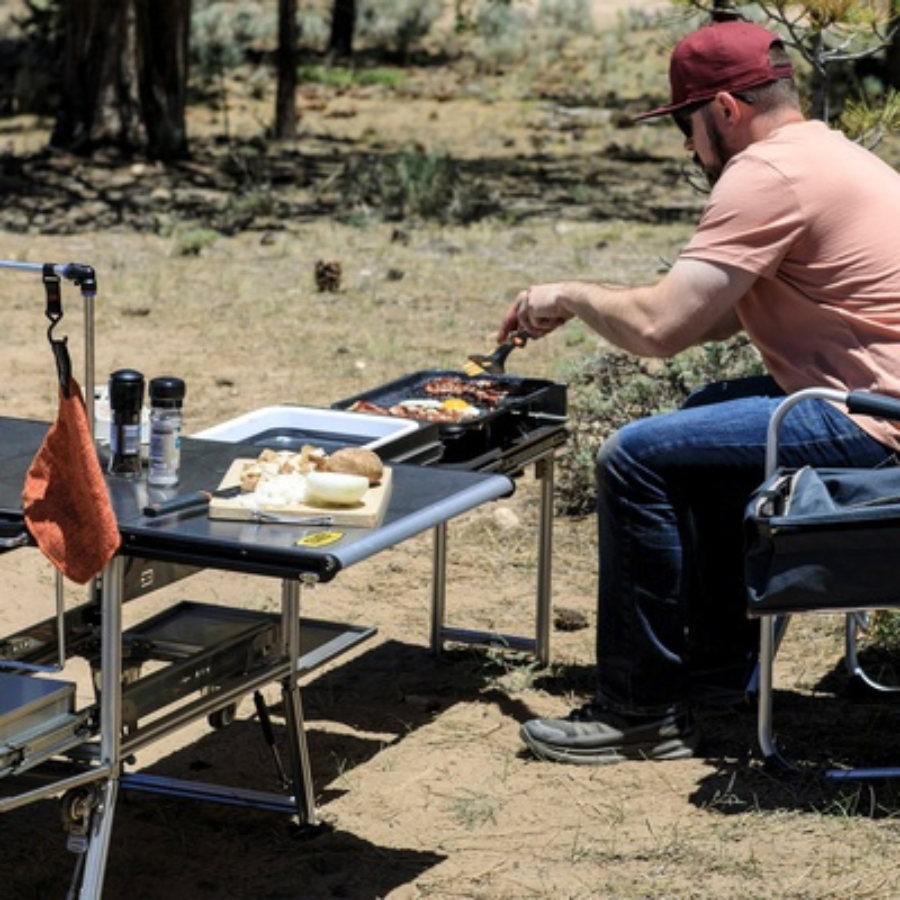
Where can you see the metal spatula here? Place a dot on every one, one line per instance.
(494, 363)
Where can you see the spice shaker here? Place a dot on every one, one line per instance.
(126, 398)
(166, 399)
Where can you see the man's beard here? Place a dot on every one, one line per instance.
(721, 153)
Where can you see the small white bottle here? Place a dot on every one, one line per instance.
(166, 422)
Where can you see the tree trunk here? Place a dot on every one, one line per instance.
(164, 38)
(892, 51)
(124, 77)
(724, 11)
(343, 26)
(285, 101)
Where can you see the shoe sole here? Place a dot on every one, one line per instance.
(682, 747)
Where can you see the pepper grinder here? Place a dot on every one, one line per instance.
(126, 398)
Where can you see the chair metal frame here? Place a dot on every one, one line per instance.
(773, 625)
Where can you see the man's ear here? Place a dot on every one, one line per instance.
(729, 106)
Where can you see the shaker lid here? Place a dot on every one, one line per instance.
(167, 389)
(126, 389)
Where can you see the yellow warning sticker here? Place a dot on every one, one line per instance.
(320, 538)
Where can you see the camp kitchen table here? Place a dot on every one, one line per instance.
(79, 755)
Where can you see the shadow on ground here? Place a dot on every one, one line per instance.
(165, 846)
(836, 727)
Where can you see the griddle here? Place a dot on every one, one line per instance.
(530, 407)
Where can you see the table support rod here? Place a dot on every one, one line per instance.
(100, 832)
(539, 646)
(438, 586)
(301, 770)
(55, 789)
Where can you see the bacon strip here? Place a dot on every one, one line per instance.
(445, 416)
(481, 391)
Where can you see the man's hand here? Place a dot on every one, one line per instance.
(535, 311)
(696, 301)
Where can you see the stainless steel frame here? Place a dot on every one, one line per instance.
(539, 645)
(773, 626)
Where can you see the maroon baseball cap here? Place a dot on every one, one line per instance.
(724, 56)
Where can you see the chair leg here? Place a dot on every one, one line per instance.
(780, 624)
(857, 622)
(772, 629)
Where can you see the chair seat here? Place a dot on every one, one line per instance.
(824, 539)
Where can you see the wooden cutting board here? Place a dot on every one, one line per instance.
(367, 513)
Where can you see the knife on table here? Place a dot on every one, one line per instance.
(195, 501)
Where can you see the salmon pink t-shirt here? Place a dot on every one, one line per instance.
(817, 219)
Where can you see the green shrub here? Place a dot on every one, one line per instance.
(193, 241)
(223, 34)
(397, 24)
(610, 389)
(573, 16)
(341, 77)
(413, 183)
(500, 35)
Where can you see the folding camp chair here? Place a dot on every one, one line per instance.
(822, 540)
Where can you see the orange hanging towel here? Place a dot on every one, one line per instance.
(65, 500)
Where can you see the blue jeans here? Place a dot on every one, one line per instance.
(672, 491)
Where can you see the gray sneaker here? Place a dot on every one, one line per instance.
(593, 736)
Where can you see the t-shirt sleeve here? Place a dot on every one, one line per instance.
(751, 220)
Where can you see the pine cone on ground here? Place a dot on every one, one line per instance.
(328, 275)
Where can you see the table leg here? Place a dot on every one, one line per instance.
(438, 587)
(99, 838)
(110, 730)
(298, 749)
(540, 644)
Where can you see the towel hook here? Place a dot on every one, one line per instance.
(54, 312)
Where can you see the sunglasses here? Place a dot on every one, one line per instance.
(683, 116)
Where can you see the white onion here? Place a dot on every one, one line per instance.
(281, 490)
(335, 487)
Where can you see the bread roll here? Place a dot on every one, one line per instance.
(356, 461)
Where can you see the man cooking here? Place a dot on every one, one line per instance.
(797, 247)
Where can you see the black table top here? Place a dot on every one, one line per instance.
(421, 498)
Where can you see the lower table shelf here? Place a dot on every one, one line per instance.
(205, 658)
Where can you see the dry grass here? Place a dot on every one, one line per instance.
(417, 762)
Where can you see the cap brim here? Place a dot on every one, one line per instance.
(665, 110)
(656, 113)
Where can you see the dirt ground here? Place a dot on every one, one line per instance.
(423, 787)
